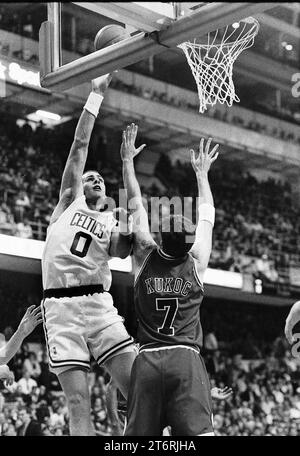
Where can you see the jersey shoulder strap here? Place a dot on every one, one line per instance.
(62, 210)
(195, 271)
(143, 265)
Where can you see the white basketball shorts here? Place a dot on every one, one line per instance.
(79, 327)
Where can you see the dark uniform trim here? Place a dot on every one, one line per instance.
(64, 362)
(113, 350)
(73, 291)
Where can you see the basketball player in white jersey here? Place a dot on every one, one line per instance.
(79, 317)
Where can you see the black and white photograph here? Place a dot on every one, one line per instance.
(150, 222)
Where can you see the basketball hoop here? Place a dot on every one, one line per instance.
(212, 63)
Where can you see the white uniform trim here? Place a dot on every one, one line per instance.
(69, 363)
(198, 280)
(138, 274)
(108, 354)
(207, 434)
(165, 256)
(168, 348)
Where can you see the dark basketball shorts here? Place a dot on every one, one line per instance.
(169, 387)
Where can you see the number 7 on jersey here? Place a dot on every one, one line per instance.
(170, 306)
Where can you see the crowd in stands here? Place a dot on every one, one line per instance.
(37, 396)
(182, 103)
(245, 348)
(24, 24)
(266, 400)
(29, 178)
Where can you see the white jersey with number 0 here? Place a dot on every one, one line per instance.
(76, 248)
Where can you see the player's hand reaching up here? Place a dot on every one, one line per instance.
(31, 319)
(6, 375)
(99, 85)
(292, 319)
(221, 394)
(205, 159)
(128, 150)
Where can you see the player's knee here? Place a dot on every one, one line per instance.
(111, 385)
(78, 400)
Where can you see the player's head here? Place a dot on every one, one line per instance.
(24, 415)
(93, 185)
(176, 233)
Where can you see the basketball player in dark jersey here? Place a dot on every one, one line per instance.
(169, 382)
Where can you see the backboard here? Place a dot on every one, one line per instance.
(154, 26)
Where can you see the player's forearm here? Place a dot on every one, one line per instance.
(12, 346)
(130, 180)
(294, 314)
(125, 245)
(79, 150)
(206, 213)
(204, 191)
(121, 245)
(84, 128)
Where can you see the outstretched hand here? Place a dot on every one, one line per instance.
(292, 319)
(99, 85)
(128, 150)
(221, 394)
(31, 319)
(205, 159)
(6, 375)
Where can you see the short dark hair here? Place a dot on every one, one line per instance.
(177, 233)
(92, 171)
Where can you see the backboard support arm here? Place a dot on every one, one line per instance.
(131, 50)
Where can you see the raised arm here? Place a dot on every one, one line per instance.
(201, 249)
(292, 319)
(71, 184)
(31, 319)
(142, 237)
(121, 236)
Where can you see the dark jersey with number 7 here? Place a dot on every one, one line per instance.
(168, 294)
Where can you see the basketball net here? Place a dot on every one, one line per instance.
(212, 63)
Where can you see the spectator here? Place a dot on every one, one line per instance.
(26, 383)
(27, 425)
(7, 222)
(24, 230)
(21, 204)
(32, 366)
